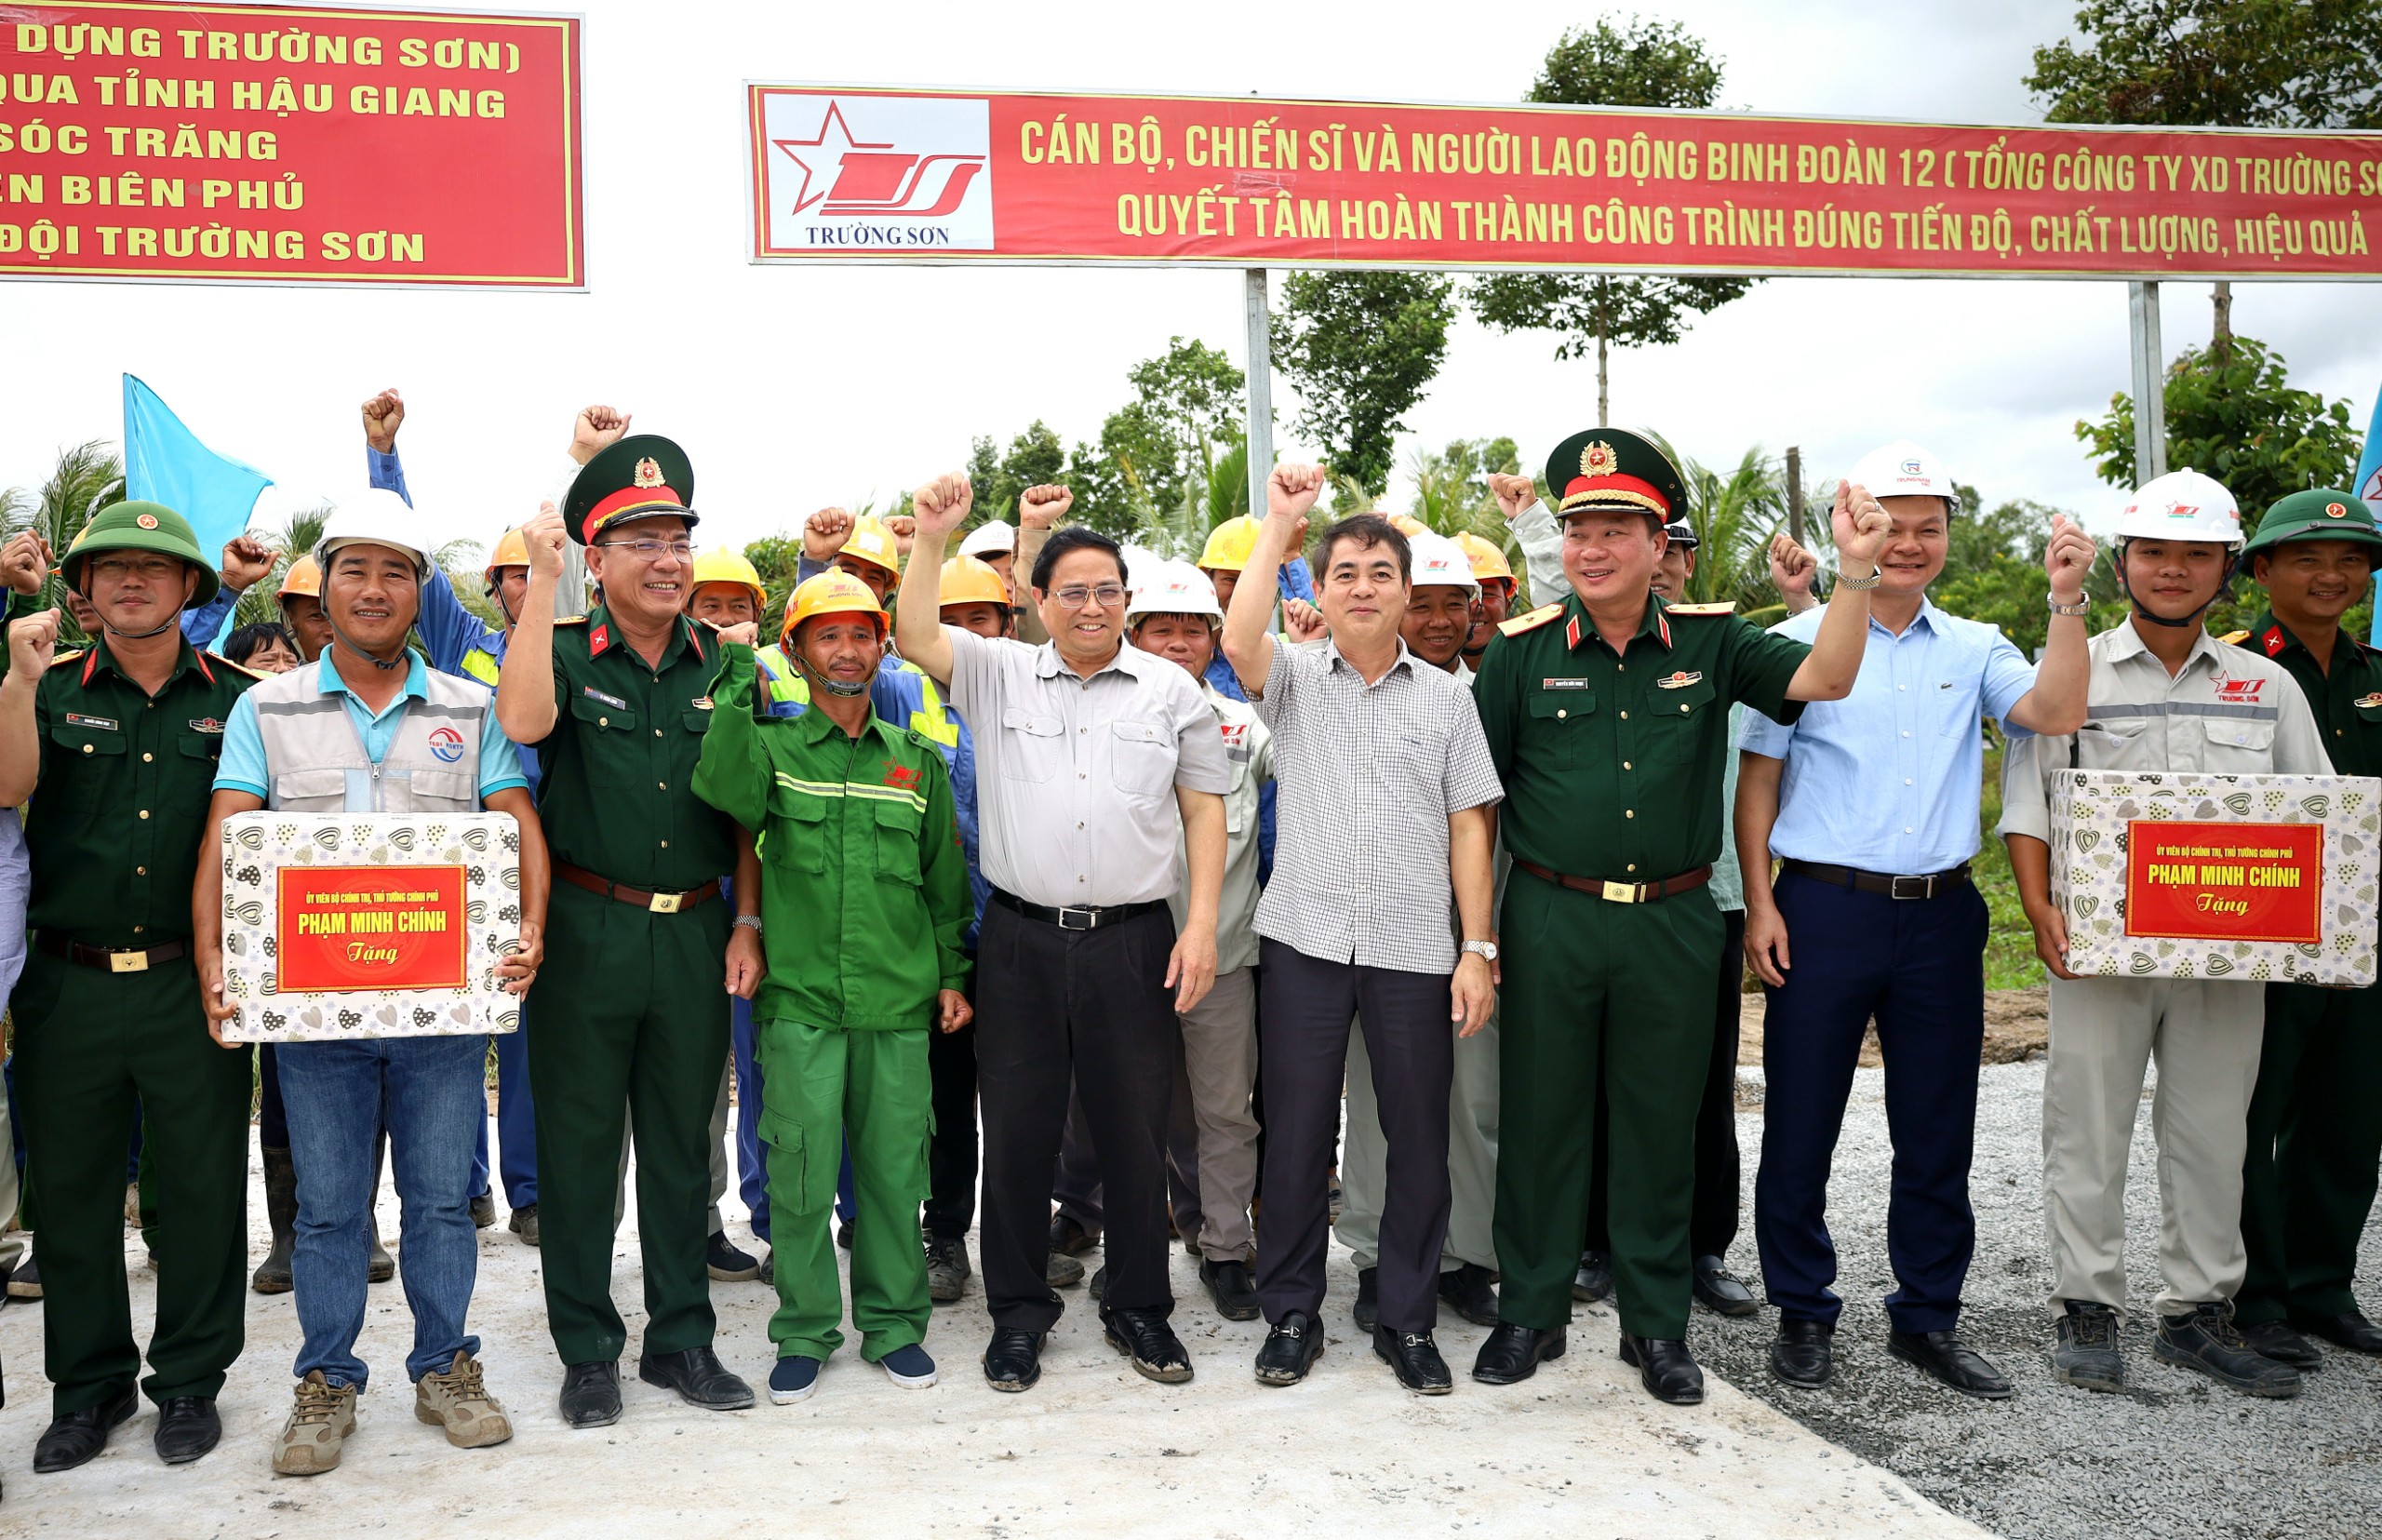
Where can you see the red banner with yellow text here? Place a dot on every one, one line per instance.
(879, 174)
(2225, 881)
(290, 145)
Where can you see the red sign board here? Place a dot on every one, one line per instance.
(2225, 881)
(877, 174)
(289, 145)
(342, 929)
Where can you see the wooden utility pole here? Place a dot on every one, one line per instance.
(1795, 494)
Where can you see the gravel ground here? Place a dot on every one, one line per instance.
(2177, 1455)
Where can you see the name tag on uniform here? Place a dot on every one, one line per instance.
(2370, 700)
(105, 724)
(594, 694)
(1565, 684)
(206, 724)
(702, 702)
(1680, 680)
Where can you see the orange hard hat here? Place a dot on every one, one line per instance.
(834, 592)
(512, 550)
(303, 580)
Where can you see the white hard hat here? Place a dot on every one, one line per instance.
(1438, 562)
(1902, 469)
(1142, 564)
(1174, 588)
(374, 517)
(995, 537)
(2181, 506)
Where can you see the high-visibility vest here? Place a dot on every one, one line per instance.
(787, 685)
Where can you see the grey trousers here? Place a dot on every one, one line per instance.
(1472, 1156)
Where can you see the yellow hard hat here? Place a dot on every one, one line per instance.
(302, 581)
(831, 593)
(725, 565)
(968, 581)
(872, 542)
(1407, 525)
(1230, 544)
(512, 550)
(1487, 560)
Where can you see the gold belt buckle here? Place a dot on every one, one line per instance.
(665, 903)
(128, 962)
(1620, 892)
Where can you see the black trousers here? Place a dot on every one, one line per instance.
(951, 1153)
(1303, 1054)
(1059, 1008)
(1712, 1222)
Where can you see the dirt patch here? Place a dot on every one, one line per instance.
(2017, 1027)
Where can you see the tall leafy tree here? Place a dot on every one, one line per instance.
(1363, 348)
(1633, 63)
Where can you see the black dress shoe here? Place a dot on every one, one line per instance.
(1941, 1355)
(1368, 1311)
(1229, 1285)
(1665, 1367)
(1803, 1352)
(1291, 1350)
(698, 1376)
(1466, 1290)
(187, 1429)
(1416, 1358)
(590, 1394)
(1720, 1291)
(1513, 1353)
(73, 1437)
(2351, 1331)
(1594, 1280)
(1069, 1236)
(1145, 1337)
(1013, 1359)
(2276, 1340)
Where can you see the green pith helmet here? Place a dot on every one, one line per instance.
(2318, 514)
(140, 527)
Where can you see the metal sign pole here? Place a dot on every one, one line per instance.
(2149, 383)
(1261, 394)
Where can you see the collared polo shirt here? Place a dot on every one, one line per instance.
(1887, 778)
(1075, 777)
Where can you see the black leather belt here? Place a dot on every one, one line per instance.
(1074, 916)
(115, 959)
(1932, 885)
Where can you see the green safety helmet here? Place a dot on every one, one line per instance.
(140, 527)
(2317, 513)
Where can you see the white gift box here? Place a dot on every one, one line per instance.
(368, 925)
(2247, 878)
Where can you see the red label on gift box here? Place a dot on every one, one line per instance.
(2225, 881)
(343, 929)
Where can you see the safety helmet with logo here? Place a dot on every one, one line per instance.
(139, 527)
(1229, 546)
(512, 550)
(965, 580)
(301, 580)
(725, 566)
(1489, 564)
(1436, 561)
(872, 542)
(831, 593)
(1174, 588)
(374, 517)
(1902, 469)
(2317, 513)
(994, 538)
(2181, 506)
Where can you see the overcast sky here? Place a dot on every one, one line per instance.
(793, 388)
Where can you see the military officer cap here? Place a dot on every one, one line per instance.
(644, 476)
(1683, 535)
(1613, 470)
(140, 527)
(2318, 514)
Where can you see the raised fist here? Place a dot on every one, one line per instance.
(31, 643)
(246, 562)
(1042, 507)
(824, 534)
(545, 537)
(2067, 559)
(1513, 493)
(24, 561)
(1291, 490)
(597, 428)
(382, 416)
(941, 505)
(1860, 523)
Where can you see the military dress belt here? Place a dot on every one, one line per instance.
(1621, 892)
(659, 904)
(1074, 916)
(1928, 885)
(115, 959)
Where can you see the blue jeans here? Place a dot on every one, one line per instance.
(517, 1125)
(752, 1169)
(430, 1094)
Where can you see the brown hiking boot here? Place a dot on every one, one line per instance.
(324, 1415)
(457, 1401)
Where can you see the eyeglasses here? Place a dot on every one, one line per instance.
(118, 568)
(1075, 595)
(652, 550)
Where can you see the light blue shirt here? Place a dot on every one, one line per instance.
(242, 768)
(1887, 780)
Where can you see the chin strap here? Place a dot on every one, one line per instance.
(172, 622)
(386, 665)
(832, 686)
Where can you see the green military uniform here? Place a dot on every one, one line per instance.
(108, 1011)
(629, 1007)
(1612, 763)
(864, 897)
(2316, 1116)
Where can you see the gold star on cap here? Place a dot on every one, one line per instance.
(1597, 459)
(648, 473)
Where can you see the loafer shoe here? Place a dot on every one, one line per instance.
(1145, 1338)
(1469, 1289)
(1802, 1353)
(1229, 1285)
(1944, 1358)
(698, 1376)
(1291, 1350)
(1013, 1360)
(1513, 1353)
(1415, 1358)
(1665, 1367)
(1720, 1291)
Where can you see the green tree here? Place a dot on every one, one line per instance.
(1636, 63)
(1362, 348)
(298, 536)
(86, 478)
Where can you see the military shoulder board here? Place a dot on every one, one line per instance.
(67, 657)
(1721, 608)
(1532, 621)
(2234, 638)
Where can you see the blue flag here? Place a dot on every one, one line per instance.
(2368, 485)
(165, 462)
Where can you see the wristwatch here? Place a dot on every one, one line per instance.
(1858, 584)
(1485, 950)
(750, 922)
(2080, 607)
